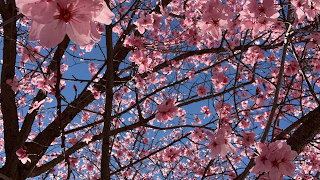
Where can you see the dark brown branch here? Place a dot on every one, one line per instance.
(8, 105)
(105, 160)
(306, 132)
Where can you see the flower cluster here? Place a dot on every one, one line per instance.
(220, 144)
(275, 159)
(291, 67)
(148, 21)
(224, 111)
(167, 110)
(216, 18)
(253, 55)
(53, 19)
(219, 80)
(258, 16)
(304, 9)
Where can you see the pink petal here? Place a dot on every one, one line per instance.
(42, 12)
(87, 8)
(53, 33)
(106, 15)
(25, 6)
(77, 34)
(64, 3)
(94, 33)
(24, 58)
(34, 33)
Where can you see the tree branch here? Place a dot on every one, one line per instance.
(105, 160)
(8, 105)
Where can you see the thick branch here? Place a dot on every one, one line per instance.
(306, 132)
(8, 106)
(105, 160)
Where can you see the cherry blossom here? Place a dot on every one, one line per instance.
(276, 159)
(224, 111)
(254, 55)
(30, 54)
(198, 135)
(219, 80)
(87, 138)
(206, 111)
(248, 138)
(192, 96)
(22, 154)
(291, 68)
(36, 105)
(215, 19)
(171, 154)
(220, 143)
(166, 110)
(258, 16)
(202, 91)
(144, 22)
(79, 15)
(14, 83)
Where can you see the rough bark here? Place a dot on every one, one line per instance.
(8, 105)
(105, 158)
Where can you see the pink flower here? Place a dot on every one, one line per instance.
(53, 17)
(202, 91)
(14, 83)
(216, 18)
(87, 137)
(39, 10)
(197, 120)
(206, 111)
(254, 55)
(73, 161)
(266, 9)
(166, 110)
(45, 83)
(198, 134)
(171, 154)
(300, 8)
(258, 16)
(248, 138)
(156, 20)
(22, 154)
(286, 165)
(219, 80)
(96, 93)
(144, 22)
(223, 109)
(291, 68)
(30, 54)
(145, 140)
(263, 164)
(276, 159)
(36, 105)
(220, 143)
(89, 166)
(260, 100)
(314, 40)
(245, 123)
(143, 64)
(73, 140)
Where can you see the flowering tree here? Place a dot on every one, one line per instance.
(171, 89)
